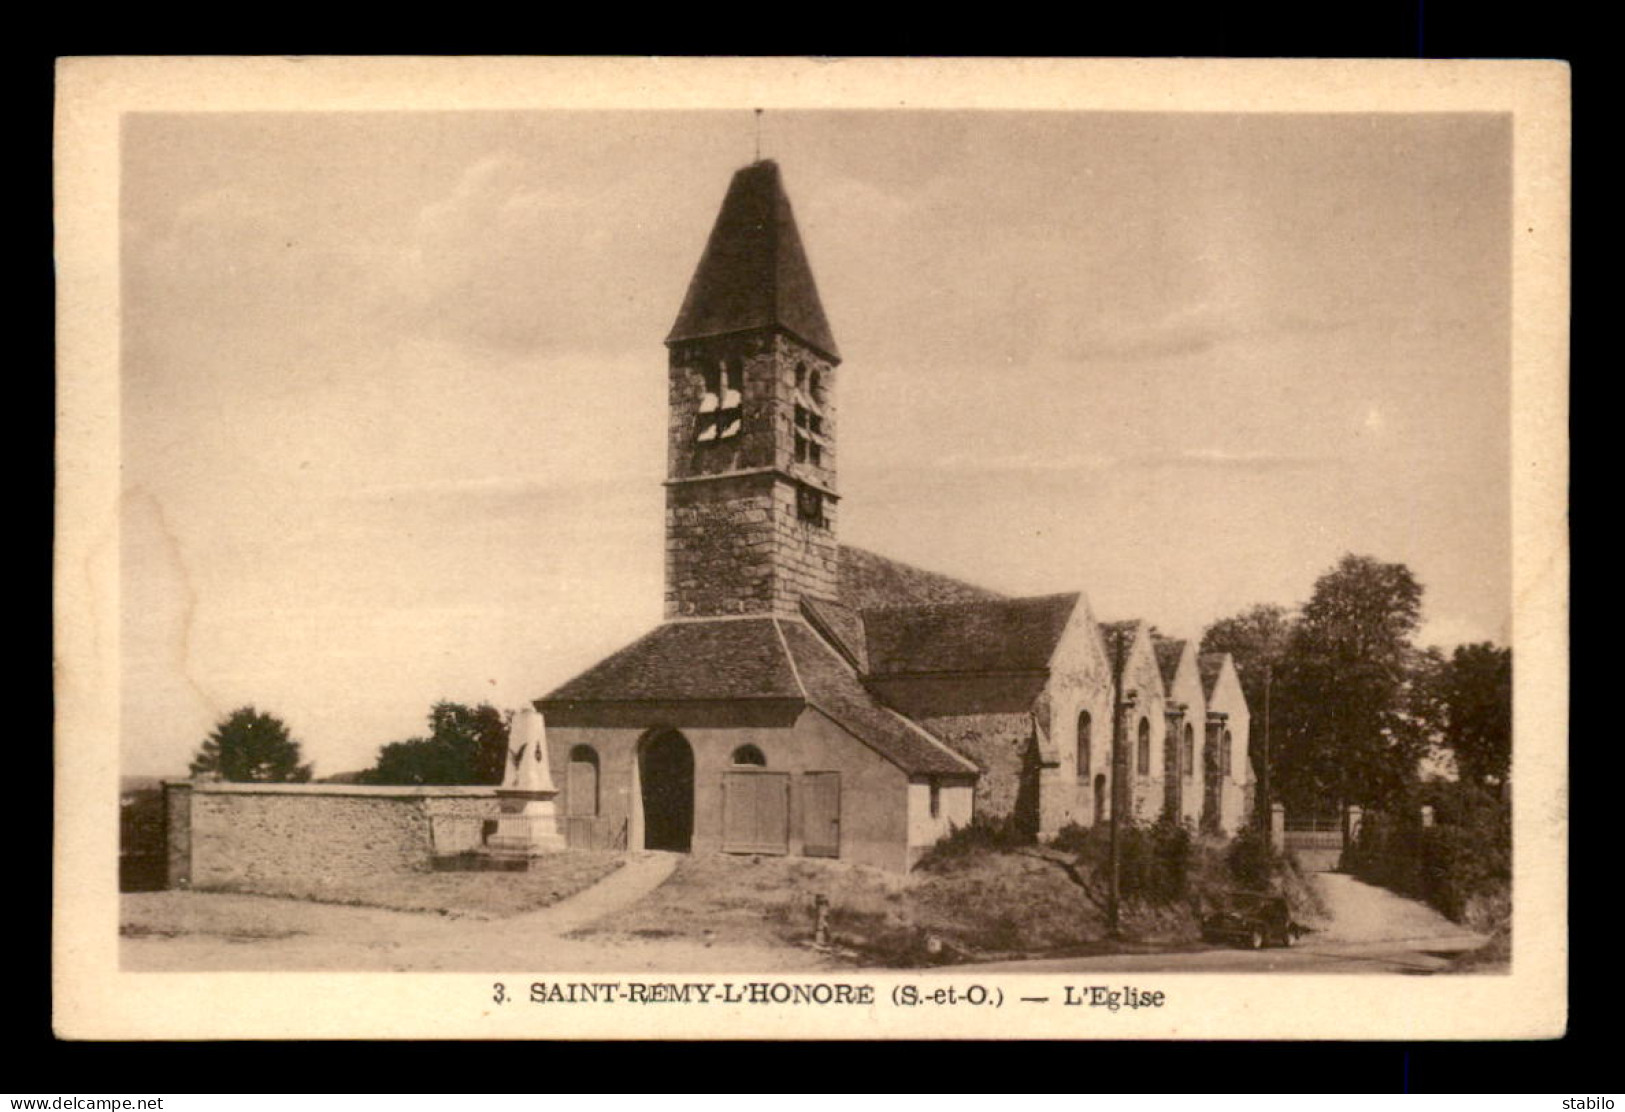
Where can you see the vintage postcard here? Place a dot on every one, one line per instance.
(796, 549)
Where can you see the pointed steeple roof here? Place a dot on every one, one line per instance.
(754, 272)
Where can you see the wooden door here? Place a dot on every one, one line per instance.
(821, 814)
(756, 812)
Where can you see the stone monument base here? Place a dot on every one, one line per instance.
(527, 827)
(525, 835)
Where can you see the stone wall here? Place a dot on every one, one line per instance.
(178, 833)
(1233, 790)
(721, 544)
(1144, 701)
(1080, 684)
(805, 553)
(1005, 748)
(738, 545)
(264, 835)
(736, 541)
(769, 365)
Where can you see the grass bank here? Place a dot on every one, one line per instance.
(971, 901)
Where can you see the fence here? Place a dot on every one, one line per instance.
(1317, 841)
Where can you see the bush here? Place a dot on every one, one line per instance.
(1156, 858)
(1073, 838)
(981, 835)
(1161, 858)
(1464, 856)
(1250, 860)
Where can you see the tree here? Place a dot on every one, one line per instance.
(250, 747)
(1354, 719)
(466, 745)
(1474, 696)
(1257, 640)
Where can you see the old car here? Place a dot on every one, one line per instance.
(1253, 920)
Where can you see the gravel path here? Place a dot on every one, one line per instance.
(642, 874)
(1362, 912)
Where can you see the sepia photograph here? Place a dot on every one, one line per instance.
(803, 547)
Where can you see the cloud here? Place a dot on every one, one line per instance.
(1225, 459)
(1163, 339)
(499, 487)
(1194, 458)
(1194, 329)
(512, 259)
(1446, 631)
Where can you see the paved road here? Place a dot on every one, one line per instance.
(1371, 930)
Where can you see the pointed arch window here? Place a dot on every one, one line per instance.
(1189, 751)
(1143, 748)
(721, 405)
(1085, 728)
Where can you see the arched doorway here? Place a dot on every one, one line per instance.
(1100, 798)
(666, 774)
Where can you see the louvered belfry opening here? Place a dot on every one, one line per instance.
(751, 491)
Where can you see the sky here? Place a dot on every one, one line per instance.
(393, 384)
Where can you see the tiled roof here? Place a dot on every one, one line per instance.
(1168, 653)
(723, 659)
(754, 272)
(1001, 635)
(868, 580)
(1210, 665)
(833, 688)
(761, 658)
(842, 626)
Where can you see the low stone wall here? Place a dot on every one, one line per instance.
(249, 835)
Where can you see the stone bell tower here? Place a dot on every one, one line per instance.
(750, 477)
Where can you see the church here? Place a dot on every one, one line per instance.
(806, 697)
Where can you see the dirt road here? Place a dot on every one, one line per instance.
(214, 932)
(1370, 930)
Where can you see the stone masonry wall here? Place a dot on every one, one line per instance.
(736, 540)
(178, 834)
(769, 364)
(721, 544)
(252, 836)
(805, 553)
(1005, 749)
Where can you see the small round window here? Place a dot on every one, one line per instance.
(749, 755)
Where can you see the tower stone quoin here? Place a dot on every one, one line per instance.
(751, 491)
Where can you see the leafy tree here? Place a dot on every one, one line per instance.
(1474, 696)
(1258, 640)
(247, 746)
(466, 745)
(1354, 718)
